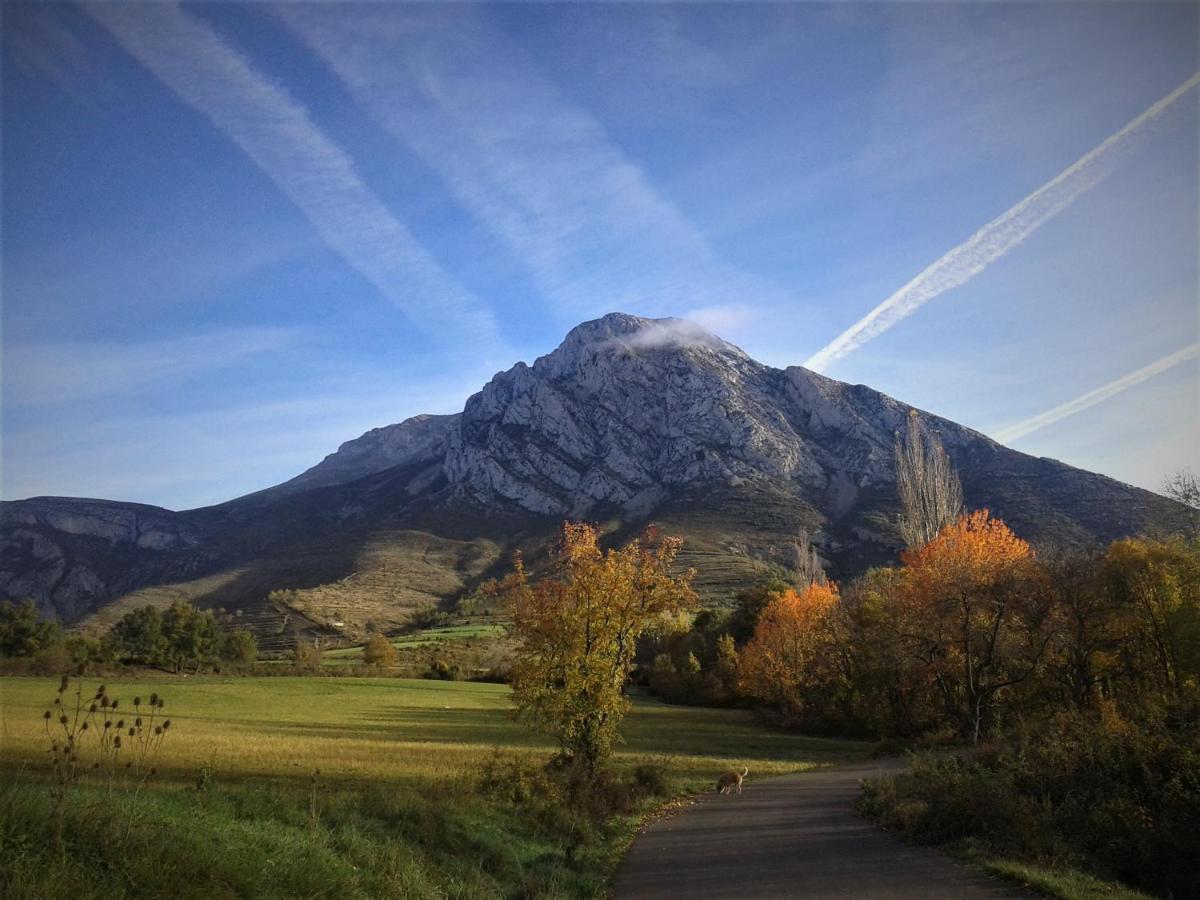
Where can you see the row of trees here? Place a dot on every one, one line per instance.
(178, 638)
(969, 631)
(973, 630)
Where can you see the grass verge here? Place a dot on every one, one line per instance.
(1061, 882)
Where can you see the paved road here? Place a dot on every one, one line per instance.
(796, 836)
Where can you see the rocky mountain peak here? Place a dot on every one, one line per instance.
(620, 336)
(626, 411)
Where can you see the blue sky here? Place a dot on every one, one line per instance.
(236, 235)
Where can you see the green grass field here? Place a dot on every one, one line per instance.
(429, 637)
(398, 807)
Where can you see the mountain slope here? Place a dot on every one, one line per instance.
(628, 420)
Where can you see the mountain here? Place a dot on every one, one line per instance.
(629, 420)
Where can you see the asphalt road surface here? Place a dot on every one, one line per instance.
(795, 836)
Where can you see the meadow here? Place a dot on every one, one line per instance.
(449, 641)
(349, 787)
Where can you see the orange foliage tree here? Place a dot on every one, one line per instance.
(579, 630)
(790, 661)
(972, 611)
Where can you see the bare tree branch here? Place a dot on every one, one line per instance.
(930, 493)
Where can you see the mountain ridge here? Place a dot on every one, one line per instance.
(627, 419)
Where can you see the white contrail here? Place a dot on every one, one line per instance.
(522, 158)
(993, 240)
(187, 55)
(1100, 394)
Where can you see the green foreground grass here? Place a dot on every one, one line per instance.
(396, 809)
(1063, 883)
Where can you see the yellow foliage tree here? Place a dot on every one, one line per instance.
(578, 632)
(971, 611)
(789, 661)
(379, 652)
(1158, 584)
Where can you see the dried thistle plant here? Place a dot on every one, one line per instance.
(88, 734)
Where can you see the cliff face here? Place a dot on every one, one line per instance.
(629, 419)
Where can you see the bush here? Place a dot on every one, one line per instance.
(1118, 797)
(379, 652)
(650, 780)
(440, 670)
(428, 617)
(306, 656)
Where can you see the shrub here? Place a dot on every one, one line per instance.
(379, 652)
(650, 779)
(306, 656)
(1120, 797)
(427, 617)
(440, 670)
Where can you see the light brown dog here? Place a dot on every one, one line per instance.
(731, 781)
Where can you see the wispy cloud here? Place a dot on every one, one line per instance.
(538, 171)
(669, 333)
(66, 371)
(998, 237)
(1100, 394)
(43, 38)
(276, 131)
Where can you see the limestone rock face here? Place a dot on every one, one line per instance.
(627, 407)
(113, 522)
(61, 552)
(628, 420)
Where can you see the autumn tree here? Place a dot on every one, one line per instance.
(748, 607)
(930, 493)
(788, 664)
(974, 615)
(379, 651)
(578, 630)
(890, 691)
(1159, 583)
(241, 647)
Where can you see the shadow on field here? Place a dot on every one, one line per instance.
(449, 726)
(672, 731)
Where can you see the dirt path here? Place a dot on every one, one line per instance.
(795, 836)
